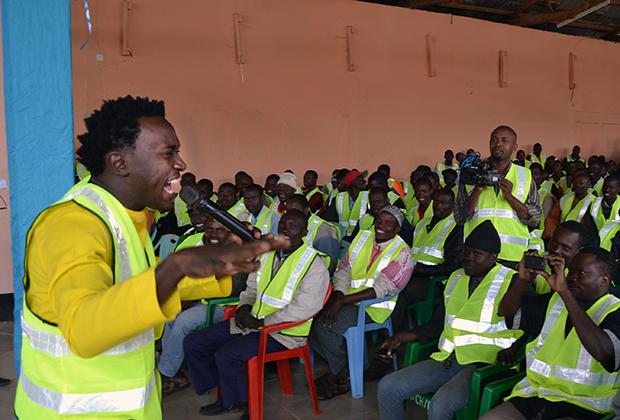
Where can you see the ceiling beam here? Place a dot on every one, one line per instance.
(416, 4)
(531, 20)
(525, 4)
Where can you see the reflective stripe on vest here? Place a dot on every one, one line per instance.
(591, 389)
(607, 234)
(264, 219)
(575, 213)
(597, 212)
(492, 206)
(291, 284)
(107, 402)
(45, 350)
(421, 248)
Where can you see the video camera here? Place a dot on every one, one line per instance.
(474, 171)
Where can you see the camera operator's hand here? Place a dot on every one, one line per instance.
(206, 261)
(557, 280)
(240, 313)
(506, 187)
(526, 274)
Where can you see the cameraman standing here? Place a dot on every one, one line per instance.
(512, 205)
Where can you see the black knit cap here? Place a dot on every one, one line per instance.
(485, 238)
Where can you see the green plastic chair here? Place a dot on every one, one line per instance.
(494, 392)
(214, 303)
(424, 308)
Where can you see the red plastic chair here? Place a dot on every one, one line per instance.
(256, 366)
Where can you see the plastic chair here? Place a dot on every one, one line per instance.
(165, 246)
(356, 345)
(424, 308)
(494, 392)
(212, 304)
(256, 366)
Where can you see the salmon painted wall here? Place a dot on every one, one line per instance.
(294, 104)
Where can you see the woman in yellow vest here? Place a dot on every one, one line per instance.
(572, 366)
(469, 328)
(289, 286)
(95, 298)
(376, 265)
(572, 206)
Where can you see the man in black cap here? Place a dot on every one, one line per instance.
(469, 328)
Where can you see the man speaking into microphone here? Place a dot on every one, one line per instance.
(95, 297)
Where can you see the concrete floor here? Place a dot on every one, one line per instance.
(185, 404)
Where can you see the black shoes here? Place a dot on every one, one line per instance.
(217, 408)
(4, 382)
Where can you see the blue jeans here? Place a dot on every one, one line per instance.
(175, 332)
(449, 382)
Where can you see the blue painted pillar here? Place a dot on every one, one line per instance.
(36, 41)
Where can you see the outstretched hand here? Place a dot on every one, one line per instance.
(224, 260)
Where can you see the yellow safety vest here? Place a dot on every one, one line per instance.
(513, 234)
(264, 220)
(121, 382)
(536, 159)
(441, 166)
(598, 187)
(191, 241)
(240, 211)
(607, 234)
(596, 211)
(363, 277)
(314, 223)
(81, 171)
(414, 218)
(274, 292)
(314, 191)
(559, 368)
(349, 216)
(181, 212)
(577, 212)
(472, 327)
(428, 247)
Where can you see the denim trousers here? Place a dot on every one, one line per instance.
(175, 332)
(449, 381)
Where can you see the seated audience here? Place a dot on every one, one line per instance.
(537, 155)
(596, 169)
(180, 208)
(423, 207)
(376, 265)
(606, 208)
(242, 180)
(470, 329)
(290, 286)
(574, 156)
(379, 180)
(349, 206)
(227, 196)
(437, 251)
(449, 179)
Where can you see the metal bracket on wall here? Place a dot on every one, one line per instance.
(125, 50)
(349, 38)
(430, 71)
(501, 54)
(571, 71)
(239, 57)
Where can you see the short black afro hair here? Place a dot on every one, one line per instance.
(114, 127)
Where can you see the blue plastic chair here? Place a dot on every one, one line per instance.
(356, 345)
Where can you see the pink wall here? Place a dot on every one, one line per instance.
(296, 105)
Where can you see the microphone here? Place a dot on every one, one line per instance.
(197, 200)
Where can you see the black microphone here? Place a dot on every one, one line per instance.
(197, 200)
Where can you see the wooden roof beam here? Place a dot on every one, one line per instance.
(559, 16)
